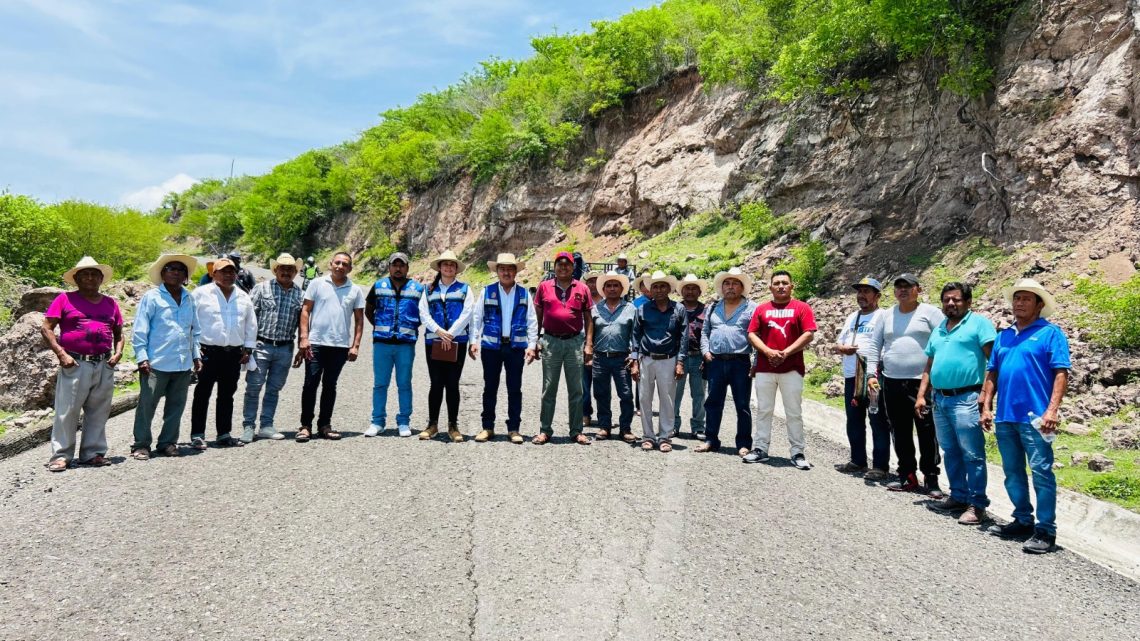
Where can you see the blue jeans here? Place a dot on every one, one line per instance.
(587, 385)
(696, 381)
(857, 430)
(963, 446)
(607, 368)
(385, 356)
(723, 375)
(273, 363)
(1018, 442)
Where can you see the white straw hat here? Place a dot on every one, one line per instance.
(449, 255)
(1030, 285)
(505, 259)
(155, 271)
(661, 277)
(734, 273)
(86, 262)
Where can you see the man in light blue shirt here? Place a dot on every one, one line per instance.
(613, 334)
(955, 369)
(727, 356)
(165, 339)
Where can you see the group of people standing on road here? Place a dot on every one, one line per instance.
(913, 368)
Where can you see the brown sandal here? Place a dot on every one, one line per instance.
(141, 454)
(665, 446)
(628, 437)
(647, 445)
(329, 434)
(303, 435)
(57, 465)
(582, 439)
(97, 461)
(601, 434)
(540, 438)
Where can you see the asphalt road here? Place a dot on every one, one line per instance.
(390, 538)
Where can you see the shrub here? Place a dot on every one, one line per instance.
(808, 267)
(759, 220)
(1115, 486)
(1112, 312)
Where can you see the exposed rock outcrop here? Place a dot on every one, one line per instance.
(31, 383)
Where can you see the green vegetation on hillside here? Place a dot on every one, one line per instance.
(1112, 311)
(40, 242)
(508, 115)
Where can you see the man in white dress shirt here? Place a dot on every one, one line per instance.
(229, 334)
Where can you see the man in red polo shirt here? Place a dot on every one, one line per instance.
(780, 331)
(563, 309)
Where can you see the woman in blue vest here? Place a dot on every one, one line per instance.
(446, 310)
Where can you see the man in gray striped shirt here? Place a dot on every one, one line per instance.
(277, 305)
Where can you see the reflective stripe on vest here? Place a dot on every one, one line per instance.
(401, 321)
(492, 318)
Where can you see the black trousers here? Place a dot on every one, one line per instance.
(444, 379)
(495, 362)
(223, 367)
(323, 371)
(899, 396)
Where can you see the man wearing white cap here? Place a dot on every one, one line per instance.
(504, 326)
(277, 305)
(229, 333)
(165, 338)
(691, 290)
(89, 346)
(1028, 370)
(728, 358)
(658, 334)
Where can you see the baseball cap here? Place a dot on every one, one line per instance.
(399, 256)
(567, 255)
(867, 281)
(908, 278)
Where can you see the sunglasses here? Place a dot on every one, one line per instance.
(174, 268)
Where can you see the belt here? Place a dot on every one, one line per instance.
(612, 354)
(222, 348)
(262, 339)
(694, 352)
(960, 390)
(659, 357)
(92, 358)
(732, 357)
(564, 337)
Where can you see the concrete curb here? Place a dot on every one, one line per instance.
(21, 440)
(1101, 532)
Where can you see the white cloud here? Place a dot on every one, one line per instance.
(149, 198)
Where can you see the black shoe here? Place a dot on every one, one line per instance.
(1012, 530)
(801, 463)
(1041, 543)
(700, 435)
(908, 483)
(755, 456)
(228, 441)
(948, 505)
(931, 487)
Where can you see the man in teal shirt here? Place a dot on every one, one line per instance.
(955, 369)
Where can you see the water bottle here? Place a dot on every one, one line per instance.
(873, 400)
(1035, 421)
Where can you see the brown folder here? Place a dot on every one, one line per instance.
(439, 352)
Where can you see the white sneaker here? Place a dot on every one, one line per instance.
(373, 430)
(405, 430)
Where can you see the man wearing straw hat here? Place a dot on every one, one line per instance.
(691, 290)
(89, 346)
(658, 360)
(613, 336)
(504, 328)
(728, 357)
(229, 334)
(393, 308)
(563, 305)
(277, 305)
(165, 337)
(591, 280)
(1028, 370)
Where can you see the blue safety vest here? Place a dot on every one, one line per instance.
(397, 321)
(493, 318)
(445, 308)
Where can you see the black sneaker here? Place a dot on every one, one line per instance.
(1041, 543)
(757, 455)
(948, 505)
(1012, 530)
(801, 462)
(931, 488)
(228, 441)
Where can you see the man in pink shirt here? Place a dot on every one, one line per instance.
(563, 305)
(89, 345)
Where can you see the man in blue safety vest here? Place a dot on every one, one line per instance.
(393, 307)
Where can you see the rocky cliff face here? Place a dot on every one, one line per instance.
(1051, 155)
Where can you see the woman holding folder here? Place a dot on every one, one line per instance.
(446, 310)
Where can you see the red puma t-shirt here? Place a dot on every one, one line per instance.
(779, 326)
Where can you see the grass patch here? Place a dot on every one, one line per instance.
(952, 263)
(702, 244)
(1111, 311)
(133, 386)
(817, 377)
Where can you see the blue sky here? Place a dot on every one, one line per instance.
(120, 101)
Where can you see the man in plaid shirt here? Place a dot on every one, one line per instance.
(277, 304)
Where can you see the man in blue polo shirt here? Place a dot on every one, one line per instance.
(955, 369)
(1029, 372)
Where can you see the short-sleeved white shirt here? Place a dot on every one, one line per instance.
(330, 321)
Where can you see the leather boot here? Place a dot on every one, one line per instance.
(429, 432)
(453, 432)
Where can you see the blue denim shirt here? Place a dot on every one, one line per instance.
(727, 335)
(659, 332)
(166, 333)
(613, 331)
